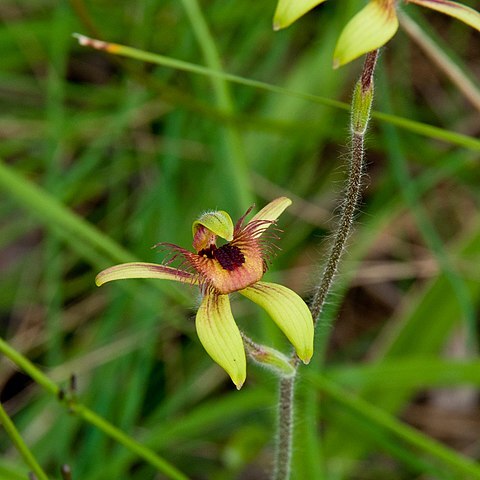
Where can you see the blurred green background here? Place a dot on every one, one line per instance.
(103, 157)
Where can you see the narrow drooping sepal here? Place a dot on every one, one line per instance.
(288, 311)
(220, 336)
(368, 30)
(143, 270)
(288, 11)
(457, 10)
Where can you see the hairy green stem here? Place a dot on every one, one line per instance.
(360, 115)
(285, 428)
(359, 123)
(352, 194)
(20, 445)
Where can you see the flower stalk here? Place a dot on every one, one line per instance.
(361, 104)
(360, 115)
(283, 454)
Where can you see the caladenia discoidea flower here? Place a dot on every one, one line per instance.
(219, 270)
(373, 26)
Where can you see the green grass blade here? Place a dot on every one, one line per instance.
(404, 123)
(401, 374)
(88, 415)
(396, 156)
(233, 164)
(21, 446)
(68, 225)
(458, 463)
(57, 216)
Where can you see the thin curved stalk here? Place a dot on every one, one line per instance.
(360, 115)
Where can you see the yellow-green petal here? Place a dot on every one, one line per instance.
(457, 10)
(218, 222)
(288, 311)
(220, 336)
(288, 11)
(271, 212)
(143, 270)
(368, 30)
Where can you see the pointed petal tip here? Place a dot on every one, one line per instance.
(238, 383)
(336, 63)
(306, 359)
(289, 11)
(272, 210)
(280, 21)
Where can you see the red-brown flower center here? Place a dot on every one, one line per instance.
(228, 256)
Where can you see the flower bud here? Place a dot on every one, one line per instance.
(271, 359)
(361, 105)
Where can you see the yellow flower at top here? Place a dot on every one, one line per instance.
(373, 26)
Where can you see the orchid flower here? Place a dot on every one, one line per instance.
(373, 26)
(236, 266)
